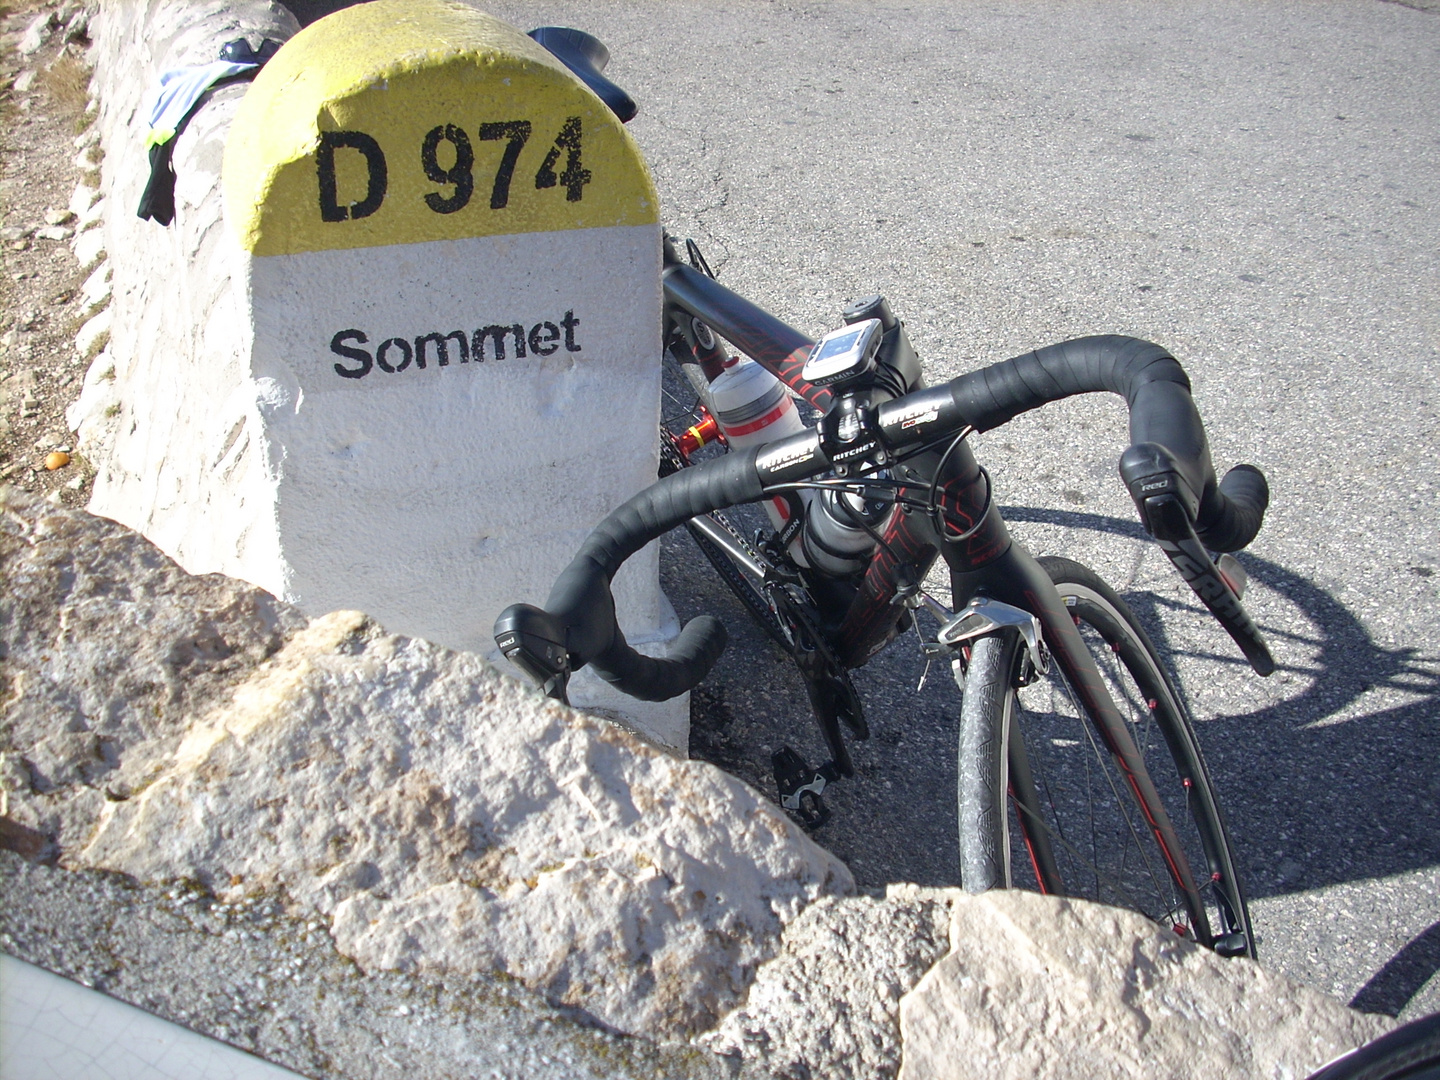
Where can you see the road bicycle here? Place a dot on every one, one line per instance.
(1079, 770)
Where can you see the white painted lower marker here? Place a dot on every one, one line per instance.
(51, 1027)
(457, 420)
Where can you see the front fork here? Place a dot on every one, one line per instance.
(1016, 579)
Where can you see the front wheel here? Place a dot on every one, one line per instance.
(1044, 805)
(1411, 1052)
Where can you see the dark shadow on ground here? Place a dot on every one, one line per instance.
(1313, 800)
(1392, 987)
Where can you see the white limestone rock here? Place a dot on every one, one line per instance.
(447, 818)
(108, 649)
(84, 196)
(94, 334)
(91, 217)
(262, 975)
(828, 1005)
(97, 288)
(86, 415)
(89, 248)
(442, 816)
(36, 34)
(1038, 986)
(78, 26)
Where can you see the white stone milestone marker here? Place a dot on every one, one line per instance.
(455, 294)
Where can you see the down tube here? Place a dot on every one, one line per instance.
(750, 328)
(1015, 578)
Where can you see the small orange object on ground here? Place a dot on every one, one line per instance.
(56, 459)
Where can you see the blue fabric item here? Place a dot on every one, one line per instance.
(169, 107)
(179, 89)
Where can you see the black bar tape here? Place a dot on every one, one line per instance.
(1157, 391)
(996, 395)
(723, 481)
(582, 601)
(690, 659)
(1237, 512)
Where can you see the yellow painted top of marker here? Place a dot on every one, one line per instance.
(402, 121)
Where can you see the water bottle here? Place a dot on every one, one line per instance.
(834, 540)
(754, 408)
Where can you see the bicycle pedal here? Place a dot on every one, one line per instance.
(800, 786)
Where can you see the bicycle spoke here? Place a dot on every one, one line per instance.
(1115, 884)
(1122, 803)
(1120, 690)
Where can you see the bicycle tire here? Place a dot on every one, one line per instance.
(1032, 765)
(1411, 1052)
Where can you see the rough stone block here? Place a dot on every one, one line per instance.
(439, 815)
(828, 1004)
(1038, 986)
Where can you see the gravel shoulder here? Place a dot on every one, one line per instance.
(47, 152)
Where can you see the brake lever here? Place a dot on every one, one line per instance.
(530, 639)
(1169, 522)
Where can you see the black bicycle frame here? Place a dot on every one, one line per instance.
(982, 558)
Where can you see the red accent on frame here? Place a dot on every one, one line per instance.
(1029, 846)
(703, 433)
(788, 371)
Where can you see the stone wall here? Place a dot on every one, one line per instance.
(364, 854)
(174, 380)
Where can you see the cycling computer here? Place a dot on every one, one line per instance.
(844, 354)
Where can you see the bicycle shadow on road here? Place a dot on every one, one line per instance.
(1337, 793)
(1318, 788)
(1404, 975)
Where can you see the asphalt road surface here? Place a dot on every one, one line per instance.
(1256, 185)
